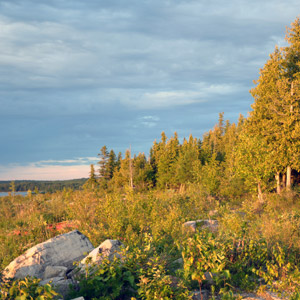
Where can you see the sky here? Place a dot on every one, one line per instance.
(77, 75)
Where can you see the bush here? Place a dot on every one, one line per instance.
(27, 288)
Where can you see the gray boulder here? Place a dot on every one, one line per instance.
(58, 253)
(55, 271)
(108, 249)
(60, 284)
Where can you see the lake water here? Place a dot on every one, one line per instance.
(2, 194)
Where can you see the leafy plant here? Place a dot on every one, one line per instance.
(27, 288)
(203, 254)
(109, 280)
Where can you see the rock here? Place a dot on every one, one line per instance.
(204, 295)
(211, 225)
(60, 251)
(60, 284)
(108, 249)
(178, 262)
(267, 295)
(55, 271)
(191, 225)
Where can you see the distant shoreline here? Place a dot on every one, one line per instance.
(42, 185)
(22, 193)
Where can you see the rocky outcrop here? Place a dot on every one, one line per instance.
(193, 226)
(53, 261)
(53, 257)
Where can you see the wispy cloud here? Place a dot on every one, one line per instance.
(44, 173)
(49, 169)
(148, 121)
(66, 162)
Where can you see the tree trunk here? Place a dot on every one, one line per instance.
(260, 195)
(278, 187)
(283, 182)
(288, 178)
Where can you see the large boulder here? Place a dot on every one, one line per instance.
(50, 259)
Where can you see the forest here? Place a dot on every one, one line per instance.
(244, 176)
(41, 185)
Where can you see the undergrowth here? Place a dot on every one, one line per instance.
(256, 247)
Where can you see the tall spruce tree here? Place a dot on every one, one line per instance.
(103, 155)
(166, 166)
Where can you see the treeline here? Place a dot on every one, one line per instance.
(175, 165)
(42, 186)
(260, 153)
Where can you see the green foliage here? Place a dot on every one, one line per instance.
(156, 284)
(253, 161)
(141, 274)
(203, 254)
(166, 166)
(250, 249)
(27, 288)
(208, 176)
(109, 280)
(275, 117)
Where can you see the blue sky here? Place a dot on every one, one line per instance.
(77, 75)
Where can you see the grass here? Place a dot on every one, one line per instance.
(253, 236)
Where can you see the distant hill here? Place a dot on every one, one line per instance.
(42, 185)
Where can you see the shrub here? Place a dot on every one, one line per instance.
(27, 288)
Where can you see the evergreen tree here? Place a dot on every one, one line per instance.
(156, 152)
(276, 112)
(208, 176)
(188, 155)
(166, 166)
(103, 163)
(143, 173)
(118, 162)
(252, 161)
(122, 177)
(92, 181)
(111, 164)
